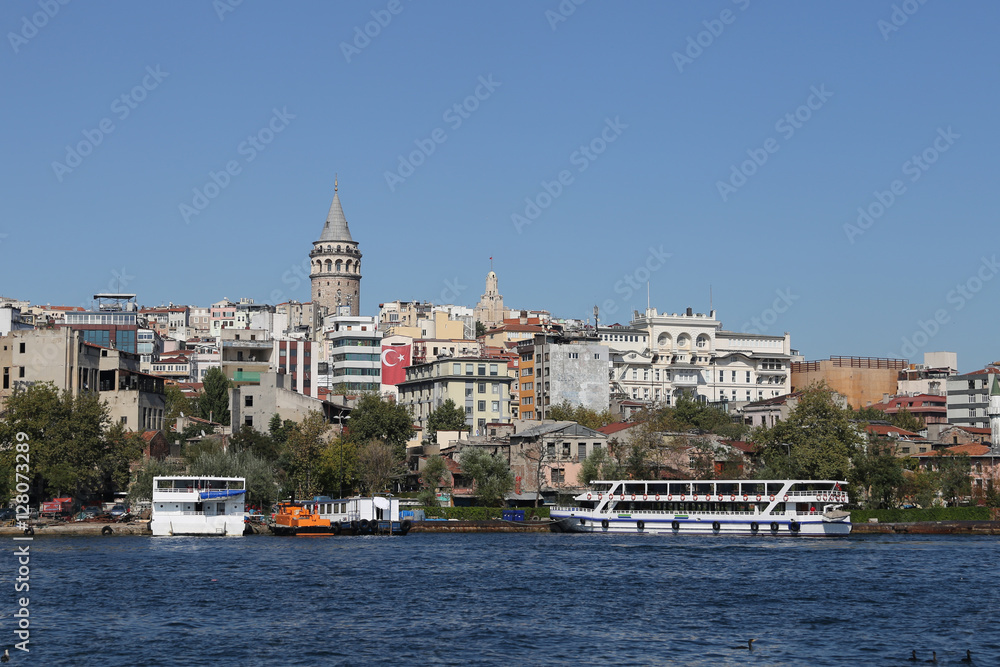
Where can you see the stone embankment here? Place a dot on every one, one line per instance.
(80, 528)
(481, 526)
(929, 528)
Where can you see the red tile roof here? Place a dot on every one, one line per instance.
(971, 450)
(886, 429)
(148, 435)
(978, 430)
(616, 427)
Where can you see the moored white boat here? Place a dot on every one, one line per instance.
(709, 507)
(198, 506)
(360, 515)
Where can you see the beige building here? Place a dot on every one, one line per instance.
(861, 380)
(59, 356)
(490, 310)
(480, 387)
(246, 354)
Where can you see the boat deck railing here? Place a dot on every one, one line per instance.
(609, 512)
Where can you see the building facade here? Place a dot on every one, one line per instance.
(353, 359)
(554, 369)
(490, 310)
(480, 387)
(969, 397)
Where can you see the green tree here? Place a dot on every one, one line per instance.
(906, 420)
(338, 467)
(305, 444)
(279, 429)
(259, 474)
(431, 479)
(213, 404)
(378, 466)
(480, 329)
(877, 473)
(581, 415)
(919, 486)
(954, 479)
(261, 445)
(446, 417)
(376, 419)
(492, 476)
(121, 447)
(817, 440)
(141, 488)
(599, 465)
(176, 404)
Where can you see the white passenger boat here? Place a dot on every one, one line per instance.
(198, 506)
(716, 507)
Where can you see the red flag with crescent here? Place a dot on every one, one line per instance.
(395, 358)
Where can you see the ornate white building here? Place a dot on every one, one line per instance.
(691, 352)
(490, 309)
(335, 270)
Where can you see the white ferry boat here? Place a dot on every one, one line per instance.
(198, 506)
(717, 507)
(360, 515)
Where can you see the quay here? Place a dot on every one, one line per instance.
(929, 528)
(98, 528)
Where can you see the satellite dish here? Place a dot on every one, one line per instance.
(381, 503)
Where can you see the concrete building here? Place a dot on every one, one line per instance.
(861, 380)
(298, 318)
(60, 356)
(968, 397)
(929, 377)
(353, 355)
(114, 324)
(222, 314)
(200, 321)
(931, 408)
(479, 386)
(12, 320)
(335, 267)
(547, 458)
(255, 404)
(490, 310)
(245, 354)
(555, 369)
(295, 360)
(134, 398)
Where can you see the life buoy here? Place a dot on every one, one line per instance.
(772, 498)
(774, 526)
(758, 497)
(669, 497)
(588, 496)
(657, 497)
(645, 497)
(676, 525)
(633, 496)
(732, 497)
(720, 497)
(785, 498)
(107, 530)
(640, 525)
(745, 497)
(716, 525)
(598, 496)
(683, 496)
(604, 524)
(754, 526)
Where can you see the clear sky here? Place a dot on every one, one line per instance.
(723, 144)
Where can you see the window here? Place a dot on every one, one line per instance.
(20, 372)
(493, 369)
(482, 388)
(482, 369)
(248, 401)
(248, 420)
(481, 406)
(748, 376)
(574, 355)
(496, 388)
(468, 410)
(565, 449)
(581, 450)
(550, 449)
(558, 476)
(495, 406)
(468, 369)
(21, 348)
(456, 369)
(722, 376)
(124, 420)
(734, 376)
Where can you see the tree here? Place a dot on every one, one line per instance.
(378, 419)
(141, 488)
(877, 473)
(919, 487)
(446, 417)
(492, 476)
(121, 447)
(599, 464)
(261, 445)
(213, 404)
(581, 415)
(279, 429)
(338, 466)
(259, 474)
(305, 444)
(378, 466)
(817, 440)
(176, 404)
(906, 420)
(480, 329)
(431, 479)
(955, 483)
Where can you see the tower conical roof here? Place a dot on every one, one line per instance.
(335, 228)
(995, 390)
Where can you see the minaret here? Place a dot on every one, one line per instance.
(335, 265)
(994, 412)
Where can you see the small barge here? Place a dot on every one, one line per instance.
(198, 506)
(372, 515)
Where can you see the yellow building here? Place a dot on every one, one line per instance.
(480, 387)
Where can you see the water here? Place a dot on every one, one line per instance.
(508, 599)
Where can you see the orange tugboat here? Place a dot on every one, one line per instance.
(295, 519)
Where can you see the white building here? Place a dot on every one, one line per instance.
(692, 353)
(353, 359)
(969, 397)
(11, 320)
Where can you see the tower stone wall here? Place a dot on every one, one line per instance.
(335, 266)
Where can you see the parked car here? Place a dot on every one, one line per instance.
(118, 511)
(8, 514)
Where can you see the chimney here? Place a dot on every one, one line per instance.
(690, 311)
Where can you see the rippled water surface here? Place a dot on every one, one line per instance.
(508, 599)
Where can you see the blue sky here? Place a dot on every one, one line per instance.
(642, 108)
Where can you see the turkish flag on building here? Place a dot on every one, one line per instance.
(395, 358)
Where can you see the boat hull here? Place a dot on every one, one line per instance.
(810, 526)
(174, 525)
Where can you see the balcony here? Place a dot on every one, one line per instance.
(256, 344)
(245, 376)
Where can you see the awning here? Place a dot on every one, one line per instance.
(221, 493)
